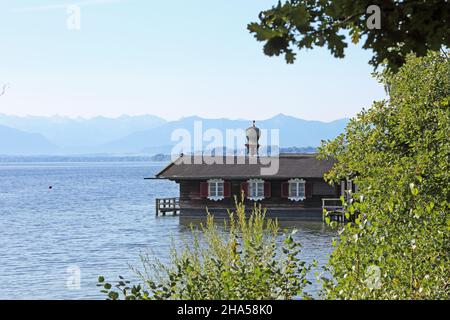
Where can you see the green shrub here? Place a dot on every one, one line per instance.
(398, 153)
(243, 260)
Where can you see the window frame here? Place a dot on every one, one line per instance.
(215, 184)
(255, 189)
(299, 184)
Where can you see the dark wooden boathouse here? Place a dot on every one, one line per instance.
(295, 190)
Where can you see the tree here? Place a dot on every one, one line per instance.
(398, 153)
(3, 91)
(406, 26)
(245, 260)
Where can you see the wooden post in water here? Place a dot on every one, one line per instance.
(323, 210)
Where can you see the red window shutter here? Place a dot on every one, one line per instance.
(227, 189)
(308, 190)
(285, 190)
(204, 189)
(244, 188)
(267, 191)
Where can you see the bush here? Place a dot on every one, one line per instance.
(244, 260)
(397, 152)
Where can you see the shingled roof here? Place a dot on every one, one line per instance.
(290, 166)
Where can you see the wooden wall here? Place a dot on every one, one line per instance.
(190, 195)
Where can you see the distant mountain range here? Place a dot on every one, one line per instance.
(13, 141)
(146, 134)
(79, 135)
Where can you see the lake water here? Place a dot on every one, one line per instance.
(97, 218)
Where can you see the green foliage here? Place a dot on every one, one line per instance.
(244, 260)
(398, 153)
(406, 26)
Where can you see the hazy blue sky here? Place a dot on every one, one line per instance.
(170, 58)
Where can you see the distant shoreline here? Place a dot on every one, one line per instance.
(81, 158)
(164, 158)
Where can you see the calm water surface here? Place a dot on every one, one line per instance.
(97, 218)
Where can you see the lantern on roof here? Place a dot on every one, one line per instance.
(252, 134)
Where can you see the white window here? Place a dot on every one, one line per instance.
(297, 189)
(215, 189)
(255, 189)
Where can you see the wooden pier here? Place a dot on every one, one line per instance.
(165, 205)
(333, 208)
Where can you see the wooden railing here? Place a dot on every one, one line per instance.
(333, 208)
(165, 205)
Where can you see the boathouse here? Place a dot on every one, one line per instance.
(296, 189)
